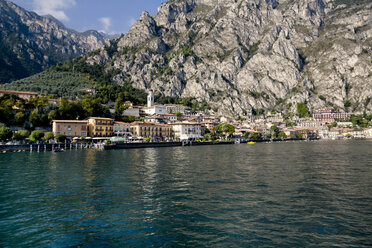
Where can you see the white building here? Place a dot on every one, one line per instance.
(308, 123)
(187, 130)
(122, 129)
(172, 109)
(152, 109)
(155, 110)
(329, 134)
(170, 117)
(154, 119)
(345, 124)
(368, 133)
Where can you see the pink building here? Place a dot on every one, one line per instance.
(329, 115)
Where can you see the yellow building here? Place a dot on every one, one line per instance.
(151, 130)
(70, 128)
(100, 127)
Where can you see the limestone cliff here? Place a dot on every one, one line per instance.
(243, 55)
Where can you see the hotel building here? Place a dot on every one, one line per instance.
(70, 128)
(152, 130)
(100, 127)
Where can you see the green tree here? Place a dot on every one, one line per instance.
(34, 118)
(347, 104)
(53, 115)
(282, 135)
(333, 124)
(119, 107)
(288, 123)
(225, 129)
(255, 136)
(179, 116)
(61, 138)
(207, 136)
(19, 118)
(299, 136)
(36, 135)
(5, 134)
(302, 110)
(21, 135)
(48, 136)
(275, 130)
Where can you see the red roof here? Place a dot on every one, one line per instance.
(119, 122)
(18, 92)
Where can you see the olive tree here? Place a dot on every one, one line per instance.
(5, 133)
(36, 135)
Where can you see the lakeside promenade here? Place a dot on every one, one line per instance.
(129, 145)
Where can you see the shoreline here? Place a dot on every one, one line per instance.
(133, 145)
(122, 146)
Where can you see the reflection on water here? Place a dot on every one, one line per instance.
(295, 194)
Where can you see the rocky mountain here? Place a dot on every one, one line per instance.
(29, 42)
(244, 55)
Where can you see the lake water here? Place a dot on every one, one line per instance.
(299, 194)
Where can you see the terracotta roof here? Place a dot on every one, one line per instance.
(71, 121)
(185, 123)
(101, 118)
(147, 124)
(119, 122)
(18, 92)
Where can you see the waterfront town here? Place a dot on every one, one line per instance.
(171, 122)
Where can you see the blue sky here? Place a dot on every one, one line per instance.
(110, 16)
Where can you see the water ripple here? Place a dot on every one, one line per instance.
(305, 194)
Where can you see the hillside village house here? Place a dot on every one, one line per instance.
(308, 123)
(21, 94)
(151, 130)
(329, 115)
(70, 128)
(172, 109)
(169, 117)
(209, 124)
(100, 127)
(154, 119)
(187, 130)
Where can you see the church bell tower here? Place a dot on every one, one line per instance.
(150, 99)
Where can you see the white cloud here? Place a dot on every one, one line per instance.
(53, 7)
(106, 23)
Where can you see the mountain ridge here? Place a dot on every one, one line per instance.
(30, 43)
(241, 56)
